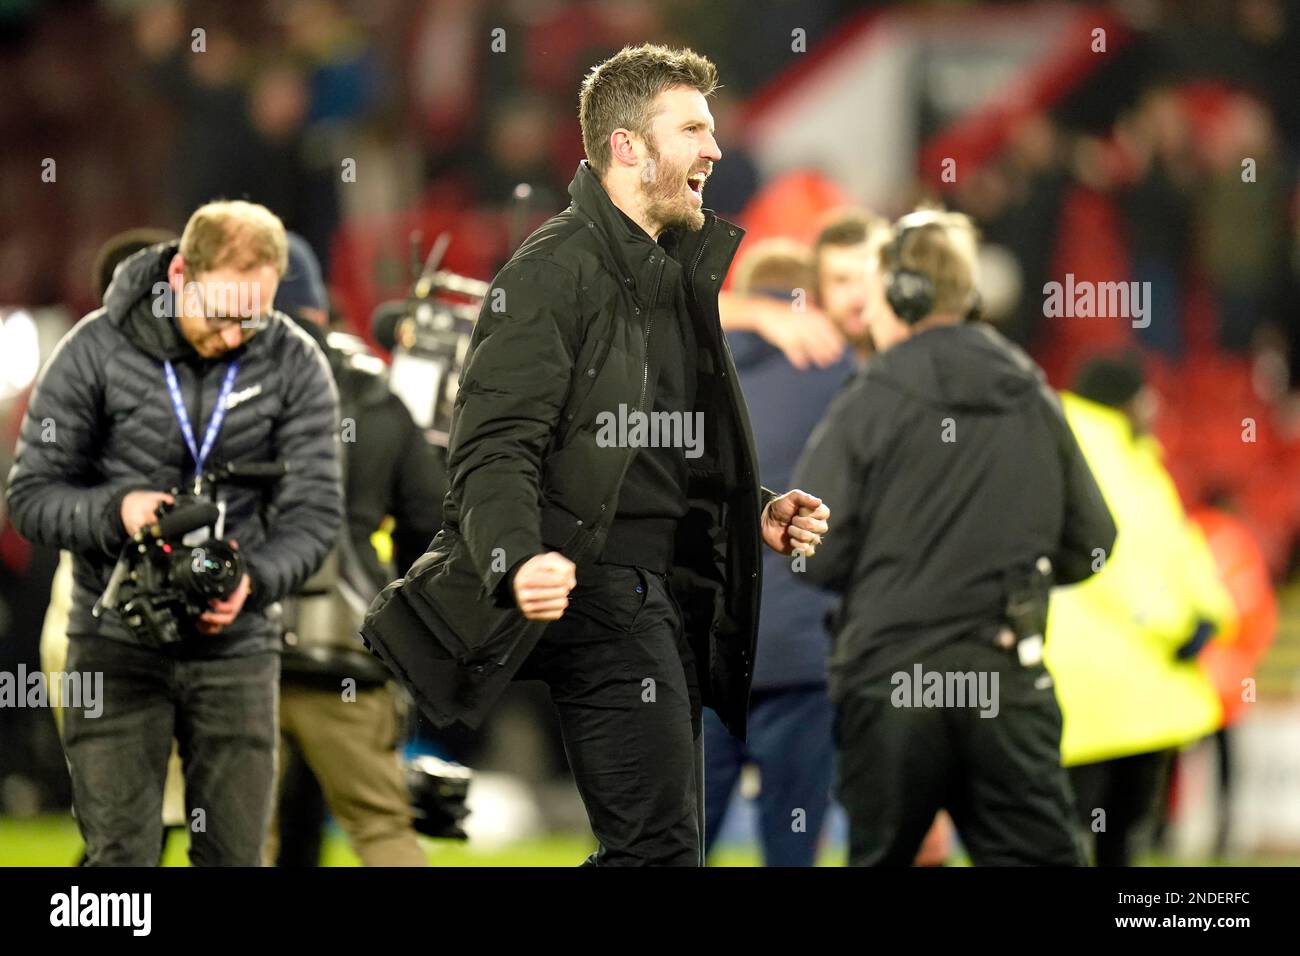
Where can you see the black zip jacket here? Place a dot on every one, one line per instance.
(946, 463)
(562, 336)
(100, 424)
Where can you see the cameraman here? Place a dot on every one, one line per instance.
(168, 379)
(959, 477)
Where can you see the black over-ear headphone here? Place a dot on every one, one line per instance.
(910, 294)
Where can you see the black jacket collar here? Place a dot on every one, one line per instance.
(630, 244)
(632, 247)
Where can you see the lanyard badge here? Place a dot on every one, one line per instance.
(200, 454)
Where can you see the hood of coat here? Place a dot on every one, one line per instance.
(136, 296)
(969, 366)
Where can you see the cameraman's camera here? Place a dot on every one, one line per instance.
(159, 580)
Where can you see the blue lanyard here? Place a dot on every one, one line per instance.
(200, 455)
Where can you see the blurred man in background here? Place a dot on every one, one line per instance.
(965, 493)
(113, 421)
(1123, 645)
(846, 259)
(338, 709)
(845, 284)
(789, 713)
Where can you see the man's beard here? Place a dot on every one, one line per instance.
(665, 196)
(863, 340)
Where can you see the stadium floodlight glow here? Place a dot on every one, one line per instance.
(20, 351)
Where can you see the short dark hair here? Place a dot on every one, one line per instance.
(619, 92)
(123, 246)
(1112, 379)
(850, 226)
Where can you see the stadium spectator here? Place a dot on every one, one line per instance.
(1122, 645)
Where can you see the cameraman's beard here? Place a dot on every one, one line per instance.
(665, 196)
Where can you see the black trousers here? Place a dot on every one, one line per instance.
(622, 678)
(902, 758)
(1126, 791)
(222, 712)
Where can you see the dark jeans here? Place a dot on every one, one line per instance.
(789, 739)
(623, 681)
(999, 777)
(1128, 790)
(222, 713)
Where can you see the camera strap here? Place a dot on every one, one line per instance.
(200, 454)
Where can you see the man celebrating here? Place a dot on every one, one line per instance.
(620, 565)
(185, 368)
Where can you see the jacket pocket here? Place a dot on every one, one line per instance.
(610, 595)
(559, 526)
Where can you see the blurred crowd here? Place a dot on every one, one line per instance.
(435, 102)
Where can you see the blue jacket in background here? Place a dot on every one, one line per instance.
(785, 405)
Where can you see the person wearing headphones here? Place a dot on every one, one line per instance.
(963, 498)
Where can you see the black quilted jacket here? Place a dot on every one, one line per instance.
(100, 424)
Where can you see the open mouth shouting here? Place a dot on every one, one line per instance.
(695, 186)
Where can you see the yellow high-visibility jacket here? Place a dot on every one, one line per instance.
(1111, 640)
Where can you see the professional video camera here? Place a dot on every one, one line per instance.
(428, 335)
(159, 579)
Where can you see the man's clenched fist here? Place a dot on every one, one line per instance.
(795, 522)
(542, 585)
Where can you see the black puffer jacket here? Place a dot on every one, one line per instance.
(101, 424)
(562, 337)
